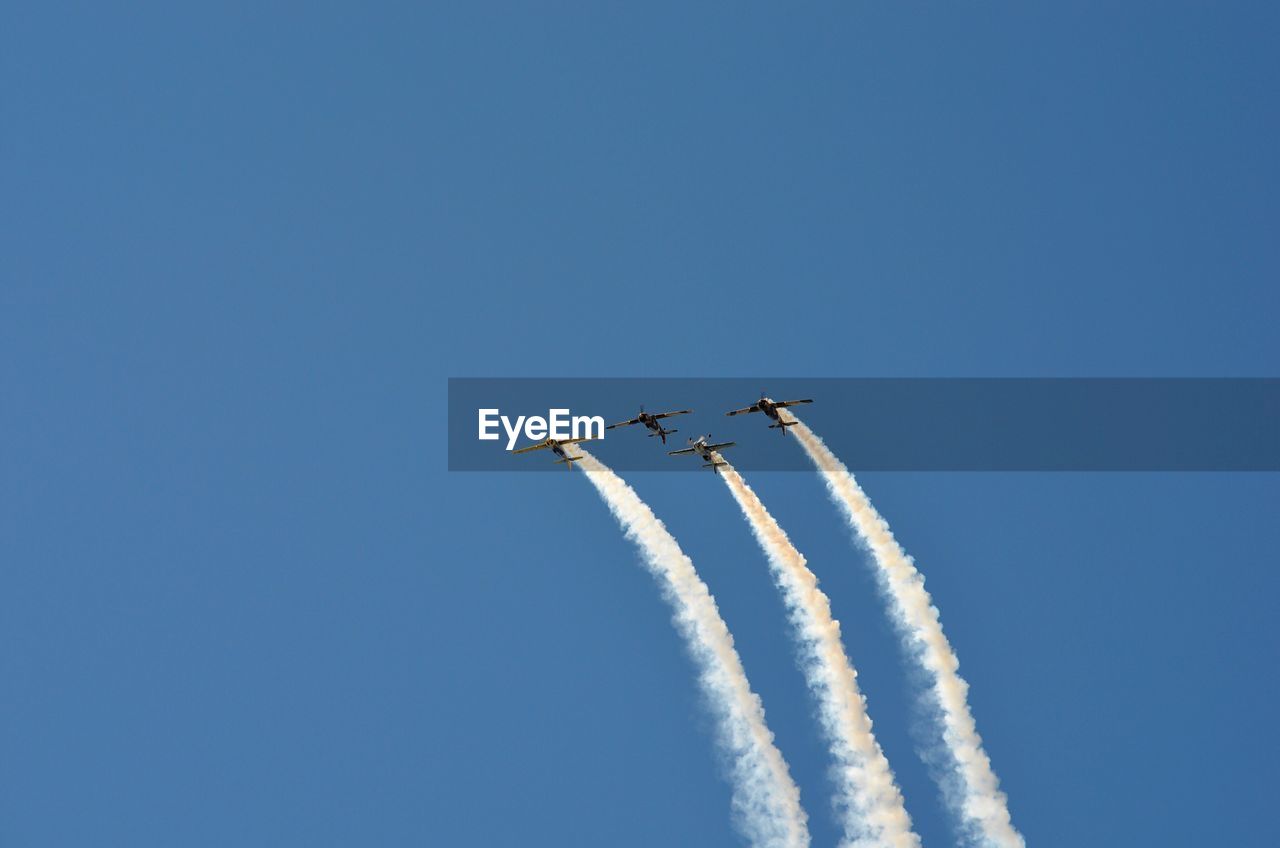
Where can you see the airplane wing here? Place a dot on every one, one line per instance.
(755, 407)
(669, 414)
(538, 446)
(679, 452)
(625, 423)
(575, 441)
(721, 446)
(793, 402)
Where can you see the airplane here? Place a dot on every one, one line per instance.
(651, 421)
(702, 448)
(557, 447)
(770, 408)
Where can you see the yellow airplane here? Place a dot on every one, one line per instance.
(557, 447)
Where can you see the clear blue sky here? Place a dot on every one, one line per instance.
(242, 602)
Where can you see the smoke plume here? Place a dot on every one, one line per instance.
(969, 785)
(868, 800)
(766, 800)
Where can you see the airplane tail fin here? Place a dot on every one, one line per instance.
(568, 462)
(783, 425)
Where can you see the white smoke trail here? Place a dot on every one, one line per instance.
(868, 800)
(766, 800)
(972, 790)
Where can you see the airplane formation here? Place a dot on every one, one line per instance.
(702, 446)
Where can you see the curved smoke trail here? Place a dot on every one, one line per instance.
(869, 801)
(973, 793)
(765, 798)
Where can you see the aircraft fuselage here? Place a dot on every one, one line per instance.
(655, 425)
(705, 452)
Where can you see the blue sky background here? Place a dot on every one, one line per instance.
(244, 246)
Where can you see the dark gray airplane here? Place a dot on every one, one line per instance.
(770, 408)
(651, 421)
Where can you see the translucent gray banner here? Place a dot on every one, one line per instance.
(923, 424)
